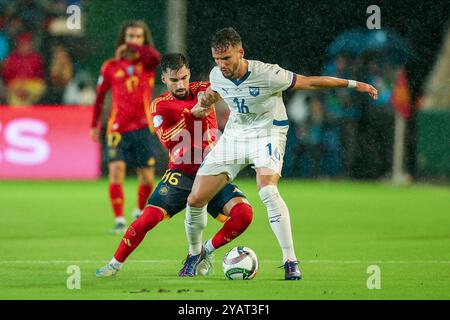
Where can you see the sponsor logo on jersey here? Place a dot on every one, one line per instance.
(254, 91)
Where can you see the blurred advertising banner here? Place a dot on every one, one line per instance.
(47, 142)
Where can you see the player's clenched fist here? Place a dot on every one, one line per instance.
(198, 110)
(120, 51)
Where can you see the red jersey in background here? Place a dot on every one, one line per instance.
(132, 85)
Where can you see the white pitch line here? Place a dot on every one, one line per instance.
(378, 262)
(79, 261)
(5, 262)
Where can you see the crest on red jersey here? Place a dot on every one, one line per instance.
(157, 121)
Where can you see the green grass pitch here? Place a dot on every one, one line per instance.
(339, 228)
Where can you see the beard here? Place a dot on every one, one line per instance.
(232, 73)
(179, 95)
(228, 76)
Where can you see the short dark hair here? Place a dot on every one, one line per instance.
(173, 61)
(224, 38)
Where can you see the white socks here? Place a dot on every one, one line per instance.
(194, 224)
(120, 220)
(116, 264)
(279, 220)
(209, 246)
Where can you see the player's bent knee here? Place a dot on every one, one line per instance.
(116, 177)
(116, 173)
(195, 201)
(146, 177)
(148, 182)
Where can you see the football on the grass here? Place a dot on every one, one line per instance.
(240, 263)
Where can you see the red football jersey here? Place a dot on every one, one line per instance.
(132, 85)
(188, 139)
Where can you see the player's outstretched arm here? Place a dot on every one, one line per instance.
(317, 83)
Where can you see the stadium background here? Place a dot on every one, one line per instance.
(339, 225)
(328, 138)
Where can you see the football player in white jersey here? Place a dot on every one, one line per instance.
(255, 134)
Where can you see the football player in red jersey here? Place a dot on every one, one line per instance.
(177, 121)
(131, 76)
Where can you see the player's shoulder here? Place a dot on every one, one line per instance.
(108, 64)
(160, 101)
(217, 79)
(259, 67)
(198, 86)
(215, 73)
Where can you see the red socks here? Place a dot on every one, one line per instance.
(137, 231)
(240, 218)
(117, 198)
(144, 191)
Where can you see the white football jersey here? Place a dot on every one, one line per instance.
(255, 101)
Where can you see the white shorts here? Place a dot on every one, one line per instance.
(232, 154)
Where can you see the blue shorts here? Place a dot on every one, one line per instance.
(136, 148)
(173, 190)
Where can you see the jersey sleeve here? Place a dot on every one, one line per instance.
(204, 85)
(168, 133)
(103, 85)
(213, 79)
(279, 78)
(199, 86)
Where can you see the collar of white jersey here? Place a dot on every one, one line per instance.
(244, 77)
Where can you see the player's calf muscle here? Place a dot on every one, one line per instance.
(197, 200)
(263, 180)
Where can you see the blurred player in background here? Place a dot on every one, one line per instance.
(255, 134)
(188, 134)
(131, 76)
